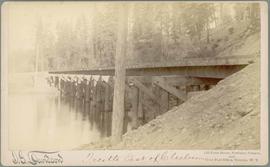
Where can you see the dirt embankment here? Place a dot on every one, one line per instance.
(225, 117)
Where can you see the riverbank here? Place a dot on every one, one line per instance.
(225, 117)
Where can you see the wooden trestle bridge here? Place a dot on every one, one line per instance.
(207, 67)
(151, 89)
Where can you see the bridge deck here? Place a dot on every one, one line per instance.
(212, 67)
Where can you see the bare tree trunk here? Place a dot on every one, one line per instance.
(130, 35)
(221, 19)
(36, 64)
(91, 34)
(120, 76)
(208, 34)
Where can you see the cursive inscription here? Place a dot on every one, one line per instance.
(36, 158)
(166, 156)
(91, 157)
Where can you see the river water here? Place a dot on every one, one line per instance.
(44, 121)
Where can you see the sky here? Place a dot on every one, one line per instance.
(22, 19)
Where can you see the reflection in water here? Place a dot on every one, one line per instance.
(98, 119)
(48, 122)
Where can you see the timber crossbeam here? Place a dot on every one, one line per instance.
(195, 67)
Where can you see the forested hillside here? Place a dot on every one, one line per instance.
(156, 32)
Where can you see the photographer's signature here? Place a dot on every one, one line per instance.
(36, 157)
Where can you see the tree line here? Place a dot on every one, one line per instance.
(156, 32)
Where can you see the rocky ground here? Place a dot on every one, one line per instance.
(225, 117)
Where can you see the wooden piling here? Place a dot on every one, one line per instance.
(99, 95)
(178, 101)
(84, 87)
(92, 102)
(73, 89)
(164, 100)
(61, 86)
(134, 109)
(107, 98)
(56, 82)
(140, 108)
(120, 76)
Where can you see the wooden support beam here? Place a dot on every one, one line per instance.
(173, 80)
(151, 111)
(87, 91)
(73, 89)
(120, 76)
(143, 88)
(61, 86)
(134, 110)
(148, 92)
(206, 81)
(178, 93)
(182, 80)
(99, 95)
(84, 87)
(92, 102)
(55, 81)
(111, 85)
(164, 98)
(140, 108)
(217, 71)
(107, 97)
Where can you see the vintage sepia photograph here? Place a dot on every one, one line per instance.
(121, 82)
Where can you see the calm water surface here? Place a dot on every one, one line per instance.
(45, 122)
